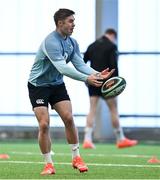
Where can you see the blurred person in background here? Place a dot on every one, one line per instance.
(46, 86)
(103, 54)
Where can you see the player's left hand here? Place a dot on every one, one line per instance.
(106, 74)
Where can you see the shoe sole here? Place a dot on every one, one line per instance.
(48, 173)
(88, 147)
(81, 170)
(127, 145)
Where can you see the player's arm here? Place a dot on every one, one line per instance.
(59, 62)
(66, 70)
(80, 65)
(84, 68)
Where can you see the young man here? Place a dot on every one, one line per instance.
(103, 53)
(46, 85)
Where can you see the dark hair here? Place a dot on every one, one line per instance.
(111, 31)
(62, 14)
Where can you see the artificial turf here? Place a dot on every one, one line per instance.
(104, 162)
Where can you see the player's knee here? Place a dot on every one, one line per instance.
(44, 127)
(68, 119)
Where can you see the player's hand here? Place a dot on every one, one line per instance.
(106, 74)
(95, 80)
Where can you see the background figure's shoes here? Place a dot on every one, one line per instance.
(78, 163)
(48, 169)
(126, 143)
(88, 145)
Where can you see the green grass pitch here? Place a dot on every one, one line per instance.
(104, 162)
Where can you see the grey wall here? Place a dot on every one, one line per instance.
(106, 15)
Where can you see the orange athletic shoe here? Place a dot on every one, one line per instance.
(78, 163)
(88, 145)
(126, 143)
(48, 169)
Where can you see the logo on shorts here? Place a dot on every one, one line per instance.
(40, 101)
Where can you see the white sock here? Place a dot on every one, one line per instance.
(48, 158)
(75, 150)
(119, 133)
(52, 153)
(88, 133)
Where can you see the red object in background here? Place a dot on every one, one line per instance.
(153, 160)
(4, 156)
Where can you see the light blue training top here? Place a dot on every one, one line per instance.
(51, 62)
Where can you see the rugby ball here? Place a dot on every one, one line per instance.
(113, 87)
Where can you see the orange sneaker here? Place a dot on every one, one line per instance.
(126, 143)
(78, 163)
(88, 145)
(48, 169)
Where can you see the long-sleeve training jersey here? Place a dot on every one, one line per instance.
(51, 62)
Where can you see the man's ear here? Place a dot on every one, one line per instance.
(60, 22)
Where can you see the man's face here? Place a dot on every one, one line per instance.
(112, 38)
(66, 26)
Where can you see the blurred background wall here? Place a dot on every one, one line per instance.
(25, 23)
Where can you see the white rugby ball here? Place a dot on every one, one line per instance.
(113, 87)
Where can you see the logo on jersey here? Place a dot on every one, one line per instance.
(40, 101)
(65, 56)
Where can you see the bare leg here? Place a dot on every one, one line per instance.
(112, 104)
(90, 123)
(122, 141)
(44, 139)
(92, 111)
(64, 109)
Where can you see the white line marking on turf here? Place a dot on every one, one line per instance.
(98, 155)
(90, 164)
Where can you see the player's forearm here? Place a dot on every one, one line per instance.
(86, 70)
(66, 70)
(81, 66)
